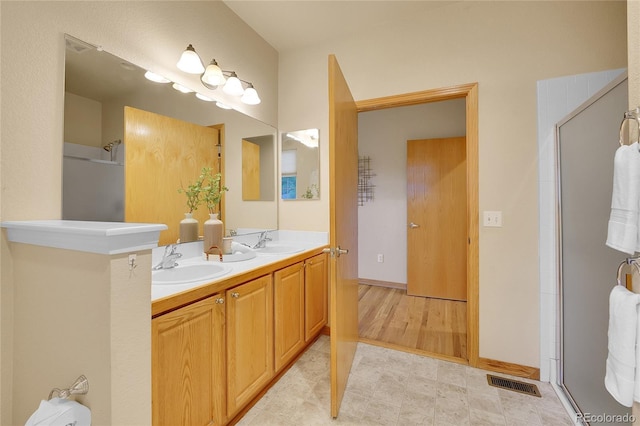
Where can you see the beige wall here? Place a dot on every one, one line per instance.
(150, 34)
(82, 313)
(82, 120)
(506, 47)
(633, 40)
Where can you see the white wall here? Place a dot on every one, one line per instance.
(382, 223)
(506, 47)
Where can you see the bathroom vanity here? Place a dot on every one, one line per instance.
(217, 345)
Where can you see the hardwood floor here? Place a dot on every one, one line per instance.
(436, 326)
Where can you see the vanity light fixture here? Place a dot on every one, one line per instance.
(308, 138)
(203, 97)
(190, 62)
(181, 88)
(156, 78)
(250, 96)
(223, 106)
(233, 86)
(213, 77)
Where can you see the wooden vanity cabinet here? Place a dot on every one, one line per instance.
(316, 290)
(288, 296)
(300, 306)
(188, 374)
(249, 341)
(212, 357)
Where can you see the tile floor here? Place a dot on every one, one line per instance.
(388, 387)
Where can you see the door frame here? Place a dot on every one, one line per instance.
(470, 93)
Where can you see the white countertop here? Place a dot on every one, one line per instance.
(87, 236)
(192, 254)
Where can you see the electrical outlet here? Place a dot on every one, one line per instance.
(492, 219)
(380, 258)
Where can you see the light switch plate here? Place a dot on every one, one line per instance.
(492, 219)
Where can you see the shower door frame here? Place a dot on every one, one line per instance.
(560, 350)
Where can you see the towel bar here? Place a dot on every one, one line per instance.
(79, 387)
(633, 114)
(628, 261)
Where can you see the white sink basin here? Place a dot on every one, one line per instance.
(188, 273)
(278, 249)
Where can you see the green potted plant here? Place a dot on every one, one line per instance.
(211, 189)
(193, 195)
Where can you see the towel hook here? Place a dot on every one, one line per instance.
(79, 387)
(634, 115)
(628, 261)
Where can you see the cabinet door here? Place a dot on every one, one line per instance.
(188, 365)
(249, 341)
(315, 295)
(288, 296)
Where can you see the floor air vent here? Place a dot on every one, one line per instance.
(514, 385)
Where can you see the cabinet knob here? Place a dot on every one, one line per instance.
(220, 301)
(235, 294)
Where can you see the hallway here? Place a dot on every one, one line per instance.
(390, 318)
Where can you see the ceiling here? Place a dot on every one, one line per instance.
(291, 24)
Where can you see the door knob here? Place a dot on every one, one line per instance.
(413, 225)
(335, 252)
(219, 301)
(340, 251)
(235, 294)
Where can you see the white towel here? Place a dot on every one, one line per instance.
(622, 359)
(623, 229)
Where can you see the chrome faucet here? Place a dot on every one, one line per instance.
(169, 258)
(262, 240)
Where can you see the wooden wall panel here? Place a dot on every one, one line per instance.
(161, 155)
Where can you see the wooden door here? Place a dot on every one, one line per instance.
(315, 295)
(437, 218)
(188, 365)
(343, 234)
(288, 301)
(162, 155)
(249, 341)
(250, 171)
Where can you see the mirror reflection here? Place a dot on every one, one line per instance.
(300, 165)
(258, 169)
(98, 87)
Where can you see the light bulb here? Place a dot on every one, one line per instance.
(190, 62)
(233, 86)
(203, 97)
(155, 77)
(250, 96)
(223, 106)
(181, 88)
(213, 74)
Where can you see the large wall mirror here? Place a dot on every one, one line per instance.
(98, 87)
(300, 165)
